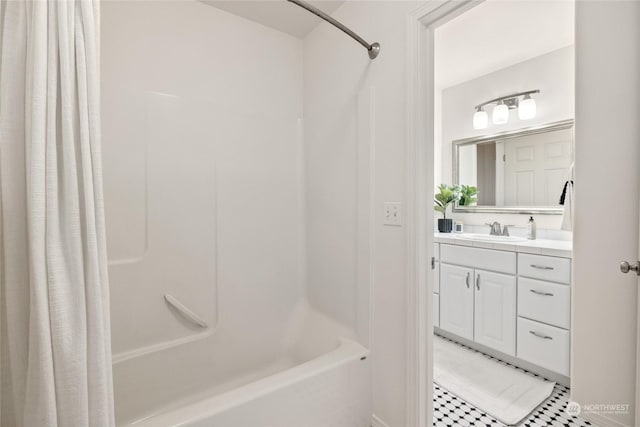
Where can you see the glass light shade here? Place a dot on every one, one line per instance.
(527, 108)
(480, 119)
(500, 114)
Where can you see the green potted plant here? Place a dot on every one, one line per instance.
(442, 200)
(468, 195)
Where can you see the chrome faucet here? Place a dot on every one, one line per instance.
(505, 229)
(495, 228)
(496, 231)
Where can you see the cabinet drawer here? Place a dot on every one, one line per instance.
(486, 259)
(549, 268)
(436, 310)
(544, 301)
(436, 278)
(543, 345)
(436, 251)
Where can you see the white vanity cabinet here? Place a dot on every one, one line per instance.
(544, 307)
(515, 299)
(478, 295)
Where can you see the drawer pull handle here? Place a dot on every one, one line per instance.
(478, 282)
(468, 277)
(546, 294)
(541, 267)
(546, 337)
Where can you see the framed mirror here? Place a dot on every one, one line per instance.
(522, 171)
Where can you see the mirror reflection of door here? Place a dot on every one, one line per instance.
(517, 169)
(536, 168)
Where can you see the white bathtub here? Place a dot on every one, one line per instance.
(318, 380)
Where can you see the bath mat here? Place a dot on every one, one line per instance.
(503, 392)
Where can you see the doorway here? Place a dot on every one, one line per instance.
(503, 155)
(617, 307)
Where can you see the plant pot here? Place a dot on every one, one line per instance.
(445, 225)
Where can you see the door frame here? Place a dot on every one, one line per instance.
(420, 143)
(421, 24)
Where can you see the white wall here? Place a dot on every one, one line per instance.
(496, 34)
(607, 180)
(202, 173)
(340, 84)
(552, 73)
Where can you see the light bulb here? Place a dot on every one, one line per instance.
(480, 119)
(527, 108)
(500, 113)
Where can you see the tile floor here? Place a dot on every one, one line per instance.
(450, 410)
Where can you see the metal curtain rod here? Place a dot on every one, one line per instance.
(374, 49)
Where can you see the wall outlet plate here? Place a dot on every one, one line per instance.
(393, 213)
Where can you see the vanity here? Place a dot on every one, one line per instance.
(502, 260)
(506, 296)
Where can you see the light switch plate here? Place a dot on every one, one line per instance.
(393, 213)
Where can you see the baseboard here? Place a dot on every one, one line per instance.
(599, 420)
(377, 422)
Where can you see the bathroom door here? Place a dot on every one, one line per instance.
(637, 402)
(604, 301)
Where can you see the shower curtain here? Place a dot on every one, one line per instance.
(54, 309)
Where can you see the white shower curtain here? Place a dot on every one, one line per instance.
(54, 313)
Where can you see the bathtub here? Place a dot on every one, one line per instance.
(319, 379)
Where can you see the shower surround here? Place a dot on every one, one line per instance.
(214, 196)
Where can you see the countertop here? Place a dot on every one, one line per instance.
(558, 248)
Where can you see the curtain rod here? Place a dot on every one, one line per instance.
(373, 49)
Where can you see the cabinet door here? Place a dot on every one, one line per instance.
(456, 300)
(495, 311)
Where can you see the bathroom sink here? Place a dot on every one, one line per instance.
(490, 238)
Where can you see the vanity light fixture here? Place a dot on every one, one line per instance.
(527, 108)
(500, 114)
(480, 118)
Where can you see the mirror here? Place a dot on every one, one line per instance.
(521, 171)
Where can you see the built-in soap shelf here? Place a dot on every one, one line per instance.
(185, 312)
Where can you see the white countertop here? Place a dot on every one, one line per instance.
(559, 248)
